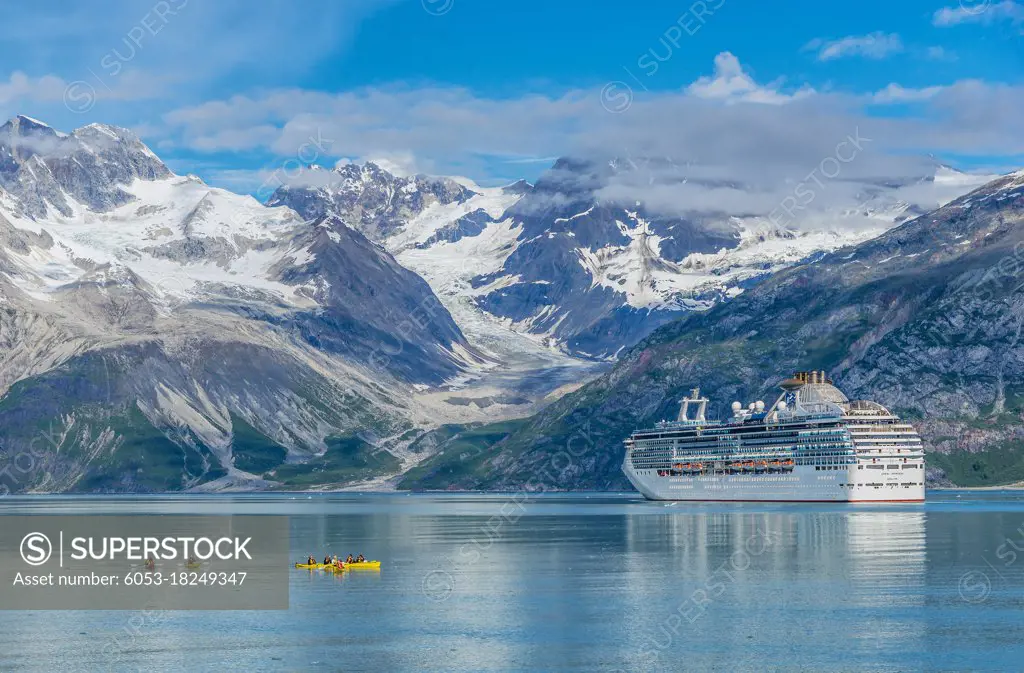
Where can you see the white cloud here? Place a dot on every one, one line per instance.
(531, 160)
(979, 11)
(55, 99)
(203, 41)
(894, 93)
(171, 50)
(735, 153)
(240, 180)
(21, 87)
(236, 139)
(939, 54)
(875, 45)
(730, 83)
(402, 164)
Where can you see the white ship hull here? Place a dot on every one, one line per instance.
(812, 445)
(803, 484)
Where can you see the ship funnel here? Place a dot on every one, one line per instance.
(684, 408)
(792, 384)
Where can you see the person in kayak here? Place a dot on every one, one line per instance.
(327, 560)
(311, 561)
(150, 563)
(360, 559)
(350, 559)
(193, 561)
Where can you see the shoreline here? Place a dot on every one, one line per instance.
(1016, 486)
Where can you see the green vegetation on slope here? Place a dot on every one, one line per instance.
(252, 450)
(462, 458)
(348, 459)
(147, 461)
(996, 467)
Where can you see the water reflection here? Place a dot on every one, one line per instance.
(589, 584)
(748, 586)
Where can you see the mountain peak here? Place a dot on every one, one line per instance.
(372, 200)
(108, 135)
(90, 166)
(25, 120)
(23, 125)
(115, 132)
(517, 187)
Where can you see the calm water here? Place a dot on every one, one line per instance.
(578, 583)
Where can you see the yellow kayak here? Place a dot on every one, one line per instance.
(193, 565)
(365, 565)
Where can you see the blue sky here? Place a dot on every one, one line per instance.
(232, 90)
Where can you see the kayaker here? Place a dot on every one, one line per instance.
(360, 559)
(150, 563)
(327, 560)
(311, 561)
(350, 559)
(193, 561)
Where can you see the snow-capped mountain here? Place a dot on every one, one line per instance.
(166, 333)
(43, 170)
(924, 319)
(571, 263)
(450, 231)
(373, 200)
(163, 334)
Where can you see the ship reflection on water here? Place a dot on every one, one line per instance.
(753, 586)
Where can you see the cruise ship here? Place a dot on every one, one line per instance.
(812, 445)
